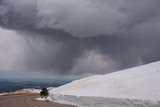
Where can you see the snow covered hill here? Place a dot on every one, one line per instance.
(142, 83)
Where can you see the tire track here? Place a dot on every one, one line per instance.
(29, 103)
(16, 99)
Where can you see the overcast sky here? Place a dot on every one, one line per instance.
(77, 37)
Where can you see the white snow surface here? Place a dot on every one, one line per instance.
(142, 83)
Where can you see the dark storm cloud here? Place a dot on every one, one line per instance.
(83, 36)
(81, 18)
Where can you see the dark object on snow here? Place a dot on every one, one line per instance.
(44, 92)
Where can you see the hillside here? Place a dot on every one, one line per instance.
(142, 82)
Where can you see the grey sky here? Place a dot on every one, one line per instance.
(78, 37)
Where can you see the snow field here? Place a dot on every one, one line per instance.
(139, 83)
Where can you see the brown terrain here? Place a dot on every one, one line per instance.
(26, 100)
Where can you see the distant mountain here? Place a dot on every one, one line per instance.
(8, 85)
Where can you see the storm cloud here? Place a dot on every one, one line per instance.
(79, 37)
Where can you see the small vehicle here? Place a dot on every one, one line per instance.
(44, 92)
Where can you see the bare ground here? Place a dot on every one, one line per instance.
(26, 100)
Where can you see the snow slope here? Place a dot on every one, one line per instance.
(141, 82)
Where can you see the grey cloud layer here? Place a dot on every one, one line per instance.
(81, 18)
(84, 36)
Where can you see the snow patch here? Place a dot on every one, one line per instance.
(40, 99)
(3, 94)
(31, 90)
